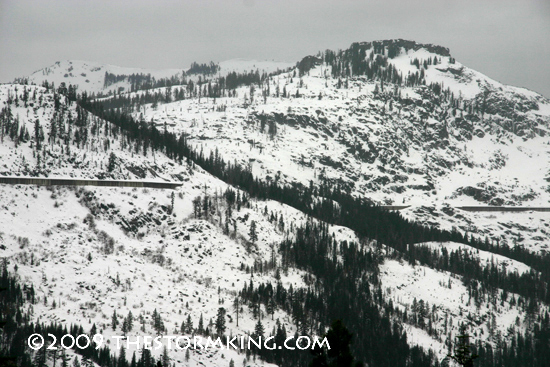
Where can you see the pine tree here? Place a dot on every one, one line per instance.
(130, 321)
(237, 308)
(259, 329)
(271, 307)
(220, 322)
(200, 328)
(158, 324)
(38, 134)
(165, 358)
(252, 233)
(146, 359)
(463, 356)
(114, 320)
(124, 328)
(134, 362)
(189, 325)
(339, 355)
(142, 322)
(122, 358)
(112, 162)
(64, 358)
(40, 358)
(172, 202)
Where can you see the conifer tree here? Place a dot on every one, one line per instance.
(200, 327)
(259, 329)
(130, 321)
(112, 162)
(40, 358)
(463, 356)
(237, 308)
(271, 307)
(183, 328)
(64, 358)
(122, 358)
(339, 354)
(114, 320)
(133, 363)
(165, 358)
(220, 322)
(158, 325)
(189, 325)
(252, 233)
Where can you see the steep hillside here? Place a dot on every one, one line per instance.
(91, 251)
(168, 259)
(434, 136)
(389, 122)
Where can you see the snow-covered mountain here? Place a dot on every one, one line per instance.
(89, 252)
(91, 76)
(467, 140)
(394, 122)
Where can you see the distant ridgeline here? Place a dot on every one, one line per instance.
(143, 81)
(182, 87)
(222, 86)
(146, 81)
(368, 59)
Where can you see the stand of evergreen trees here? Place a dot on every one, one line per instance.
(334, 205)
(342, 271)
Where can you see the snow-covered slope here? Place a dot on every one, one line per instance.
(478, 142)
(469, 141)
(246, 65)
(92, 251)
(420, 291)
(90, 76)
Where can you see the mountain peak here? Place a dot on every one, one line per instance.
(394, 46)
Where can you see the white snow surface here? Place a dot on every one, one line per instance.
(318, 140)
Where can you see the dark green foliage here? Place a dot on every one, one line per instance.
(111, 165)
(204, 69)
(220, 322)
(158, 324)
(339, 355)
(253, 232)
(462, 355)
(114, 320)
(142, 81)
(342, 291)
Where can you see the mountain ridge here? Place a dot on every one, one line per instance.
(350, 126)
(437, 104)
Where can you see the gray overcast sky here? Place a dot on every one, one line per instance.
(504, 39)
